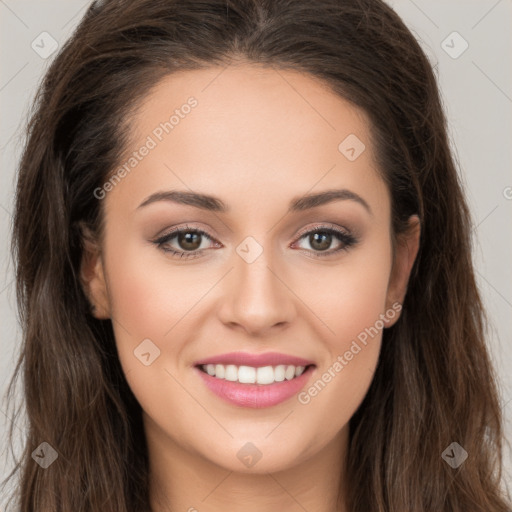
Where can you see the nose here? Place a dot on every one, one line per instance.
(256, 297)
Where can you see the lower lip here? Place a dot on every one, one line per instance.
(255, 396)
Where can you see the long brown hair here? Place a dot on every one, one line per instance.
(434, 383)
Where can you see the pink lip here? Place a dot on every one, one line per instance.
(255, 360)
(255, 395)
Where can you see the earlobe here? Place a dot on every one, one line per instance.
(406, 251)
(92, 276)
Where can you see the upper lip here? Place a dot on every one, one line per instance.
(256, 360)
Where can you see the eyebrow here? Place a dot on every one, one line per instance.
(214, 204)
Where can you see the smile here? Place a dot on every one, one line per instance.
(263, 375)
(266, 393)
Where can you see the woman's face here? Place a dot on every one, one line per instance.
(259, 269)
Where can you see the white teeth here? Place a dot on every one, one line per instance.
(247, 374)
(279, 372)
(265, 375)
(219, 371)
(250, 375)
(231, 372)
(289, 373)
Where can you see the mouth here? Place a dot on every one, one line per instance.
(254, 387)
(262, 375)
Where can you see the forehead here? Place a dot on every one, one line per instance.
(248, 131)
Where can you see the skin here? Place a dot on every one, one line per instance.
(258, 138)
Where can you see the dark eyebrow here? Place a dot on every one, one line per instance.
(202, 201)
(313, 200)
(214, 204)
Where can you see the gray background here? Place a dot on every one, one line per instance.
(477, 93)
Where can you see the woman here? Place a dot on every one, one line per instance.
(244, 269)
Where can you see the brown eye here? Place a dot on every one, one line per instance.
(189, 240)
(320, 240)
(184, 242)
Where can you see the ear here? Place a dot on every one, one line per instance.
(92, 275)
(406, 249)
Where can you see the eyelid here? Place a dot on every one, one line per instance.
(299, 235)
(178, 229)
(322, 225)
(348, 239)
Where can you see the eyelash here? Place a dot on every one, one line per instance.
(347, 240)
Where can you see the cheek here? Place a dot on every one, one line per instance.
(352, 305)
(152, 312)
(352, 297)
(147, 300)
(150, 293)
